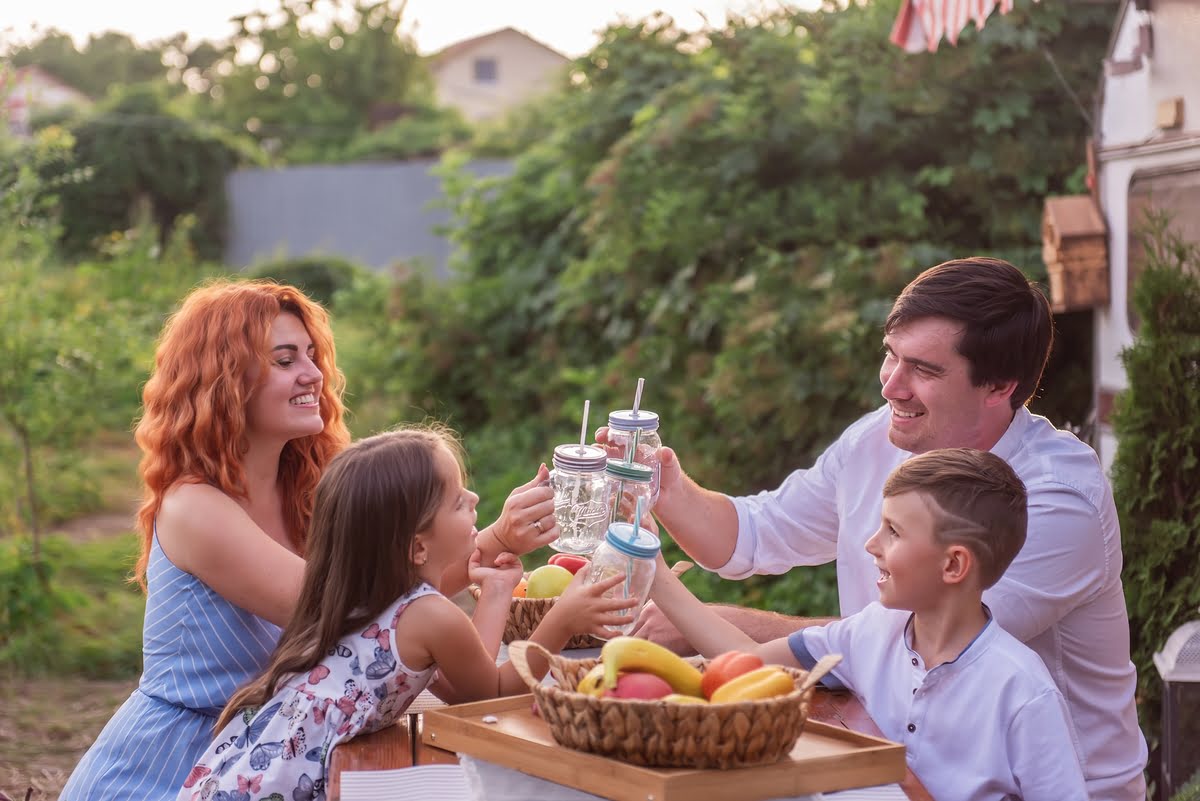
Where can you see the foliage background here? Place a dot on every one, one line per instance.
(1157, 466)
(727, 214)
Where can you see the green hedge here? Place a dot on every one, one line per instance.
(1156, 471)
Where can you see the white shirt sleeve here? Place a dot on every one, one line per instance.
(1043, 759)
(1060, 568)
(796, 524)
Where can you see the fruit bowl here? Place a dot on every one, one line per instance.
(524, 615)
(661, 733)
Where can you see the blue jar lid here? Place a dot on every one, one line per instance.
(584, 458)
(628, 419)
(629, 471)
(637, 542)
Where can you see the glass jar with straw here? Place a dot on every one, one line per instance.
(628, 550)
(580, 485)
(630, 486)
(633, 436)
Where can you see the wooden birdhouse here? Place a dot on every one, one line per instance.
(1075, 249)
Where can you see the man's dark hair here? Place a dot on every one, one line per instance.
(1007, 324)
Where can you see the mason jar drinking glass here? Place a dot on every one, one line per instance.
(629, 551)
(626, 425)
(628, 482)
(580, 485)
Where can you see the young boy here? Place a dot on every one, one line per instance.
(976, 710)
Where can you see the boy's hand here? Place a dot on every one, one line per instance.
(583, 609)
(502, 577)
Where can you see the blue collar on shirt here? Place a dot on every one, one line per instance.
(988, 629)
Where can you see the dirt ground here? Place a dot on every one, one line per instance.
(46, 725)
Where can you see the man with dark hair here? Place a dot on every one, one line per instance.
(965, 346)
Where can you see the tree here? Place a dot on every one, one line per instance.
(45, 362)
(307, 88)
(1157, 466)
(105, 60)
(141, 153)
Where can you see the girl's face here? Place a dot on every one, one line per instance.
(450, 538)
(285, 404)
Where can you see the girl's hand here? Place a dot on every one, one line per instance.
(527, 520)
(584, 609)
(502, 577)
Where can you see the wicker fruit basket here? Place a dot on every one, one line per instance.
(664, 734)
(524, 615)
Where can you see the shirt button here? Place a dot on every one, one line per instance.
(914, 661)
(912, 727)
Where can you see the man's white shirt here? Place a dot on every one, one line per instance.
(1061, 596)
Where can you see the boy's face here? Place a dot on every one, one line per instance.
(909, 559)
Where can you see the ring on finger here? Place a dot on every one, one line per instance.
(538, 525)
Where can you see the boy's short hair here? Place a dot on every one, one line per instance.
(979, 501)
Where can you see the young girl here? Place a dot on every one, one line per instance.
(371, 630)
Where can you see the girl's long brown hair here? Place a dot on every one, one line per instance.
(193, 423)
(373, 499)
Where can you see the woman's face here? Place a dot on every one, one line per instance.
(285, 405)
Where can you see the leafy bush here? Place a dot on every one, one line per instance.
(73, 613)
(1189, 791)
(142, 155)
(425, 131)
(730, 216)
(320, 277)
(1156, 469)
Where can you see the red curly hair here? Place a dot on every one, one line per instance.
(193, 424)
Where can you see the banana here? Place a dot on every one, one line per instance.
(680, 698)
(765, 682)
(592, 682)
(633, 653)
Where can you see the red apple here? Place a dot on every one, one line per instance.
(568, 560)
(646, 686)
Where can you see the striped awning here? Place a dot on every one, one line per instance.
(921, 24)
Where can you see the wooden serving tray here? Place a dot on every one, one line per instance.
(825, 758)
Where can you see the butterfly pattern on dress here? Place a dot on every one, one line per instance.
(280, 752)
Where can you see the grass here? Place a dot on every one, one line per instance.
(87, 623)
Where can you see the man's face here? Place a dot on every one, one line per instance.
(927, 383)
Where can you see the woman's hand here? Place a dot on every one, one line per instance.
(526, 522)
(500, 578)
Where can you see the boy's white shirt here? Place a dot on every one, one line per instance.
(990, 725)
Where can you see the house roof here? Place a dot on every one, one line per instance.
(11, 78)
(467, 45)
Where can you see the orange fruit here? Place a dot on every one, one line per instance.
(519, 590)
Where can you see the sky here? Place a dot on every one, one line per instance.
(569, 26)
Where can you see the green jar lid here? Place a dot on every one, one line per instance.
(629, 471)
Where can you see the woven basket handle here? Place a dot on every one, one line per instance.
(819, 670)
(517, 655)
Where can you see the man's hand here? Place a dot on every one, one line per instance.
(653, 625)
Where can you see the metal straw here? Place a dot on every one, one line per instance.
(587, 405)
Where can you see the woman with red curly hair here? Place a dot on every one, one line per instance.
(241, 415)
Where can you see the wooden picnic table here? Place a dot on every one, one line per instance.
(400, 746)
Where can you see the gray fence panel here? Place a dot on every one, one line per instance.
(375, 214)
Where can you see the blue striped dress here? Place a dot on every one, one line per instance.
(197, 649)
